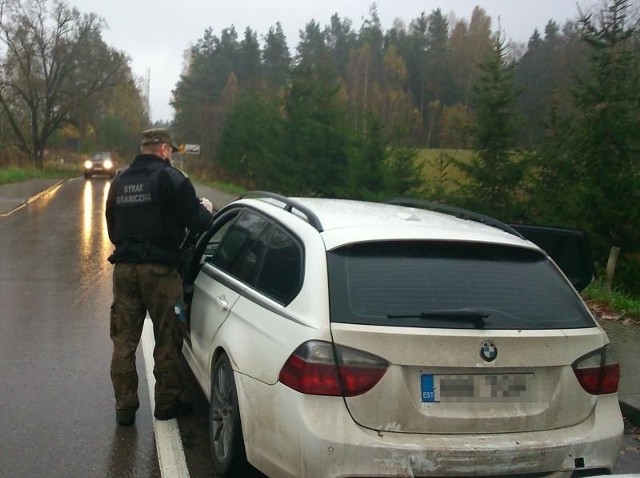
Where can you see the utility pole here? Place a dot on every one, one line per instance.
(147, 92)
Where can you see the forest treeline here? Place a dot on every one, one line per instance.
(417, 78)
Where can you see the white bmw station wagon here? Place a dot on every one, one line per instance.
(339, 338)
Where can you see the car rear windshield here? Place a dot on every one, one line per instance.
(451, 285)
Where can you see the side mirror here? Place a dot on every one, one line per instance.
(569, 248)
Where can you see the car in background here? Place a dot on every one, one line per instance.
(341, 338)
(100, 164)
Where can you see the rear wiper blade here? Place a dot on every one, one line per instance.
(475, 316)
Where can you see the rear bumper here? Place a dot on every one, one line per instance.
(308, 436)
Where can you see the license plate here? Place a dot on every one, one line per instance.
(515, 387)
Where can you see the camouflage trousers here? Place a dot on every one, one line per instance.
(138, 288)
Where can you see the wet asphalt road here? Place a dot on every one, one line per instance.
(56, 403)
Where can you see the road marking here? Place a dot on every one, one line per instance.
(168, 443)
(35, 197)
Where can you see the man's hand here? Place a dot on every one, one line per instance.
(207, 204)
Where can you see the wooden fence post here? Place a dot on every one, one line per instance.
(611, 265)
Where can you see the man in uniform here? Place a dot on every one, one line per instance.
(149, 206)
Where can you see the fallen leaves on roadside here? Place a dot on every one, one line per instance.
(602, 311)
(632, 431)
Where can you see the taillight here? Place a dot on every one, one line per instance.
(598, 372)
(319, 368)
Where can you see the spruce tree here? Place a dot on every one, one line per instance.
(494, 174)
(315, 119)
(276, 59)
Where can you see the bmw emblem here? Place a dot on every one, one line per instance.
(488, 351)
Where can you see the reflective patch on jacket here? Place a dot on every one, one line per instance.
(134, 194)
(137, 206)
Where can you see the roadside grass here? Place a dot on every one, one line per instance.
(221, 186)
(202, 173)
(599, 297)
(16, 175)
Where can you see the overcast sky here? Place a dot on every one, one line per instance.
(156, 34)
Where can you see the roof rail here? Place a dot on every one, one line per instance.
(289, 206)
(454, 211)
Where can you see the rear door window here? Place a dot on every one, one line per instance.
(281, 271)
(261, 254)
(451, 285)
(242, 245)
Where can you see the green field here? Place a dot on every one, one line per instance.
(438, 169)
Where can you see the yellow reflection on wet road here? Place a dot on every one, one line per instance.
(95, 238)
(103, 223)
(87, 214)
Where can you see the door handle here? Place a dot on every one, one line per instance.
(222, 302)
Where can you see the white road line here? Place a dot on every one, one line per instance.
(168, 443)
(35, 197)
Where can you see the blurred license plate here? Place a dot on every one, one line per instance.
(513, 387)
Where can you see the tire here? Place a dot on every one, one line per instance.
(225, 428)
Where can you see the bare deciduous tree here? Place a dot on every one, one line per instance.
(54, 61)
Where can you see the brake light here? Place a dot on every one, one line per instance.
(319, 368)
(598, 373)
